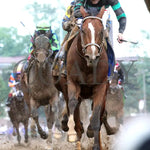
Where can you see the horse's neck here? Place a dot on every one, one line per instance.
(42, 70)
(39, 75)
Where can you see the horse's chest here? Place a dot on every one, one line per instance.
(86, 79)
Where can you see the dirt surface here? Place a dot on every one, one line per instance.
(9, 142)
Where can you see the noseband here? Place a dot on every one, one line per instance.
(91, 44)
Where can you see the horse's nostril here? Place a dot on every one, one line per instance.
(97, 57)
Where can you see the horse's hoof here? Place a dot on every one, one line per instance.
(44, 136)
(26, 141)
(64, 127)
(71, 138)
(90, 132)
(14, 134)
(112, 131)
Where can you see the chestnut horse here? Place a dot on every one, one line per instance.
(87, 70)
(37, 85)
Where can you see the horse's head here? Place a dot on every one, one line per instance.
(41, 49)
(18, 98)
(92, 37)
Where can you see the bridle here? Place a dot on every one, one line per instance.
(84, 46)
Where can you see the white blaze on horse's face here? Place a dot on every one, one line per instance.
(91, 27)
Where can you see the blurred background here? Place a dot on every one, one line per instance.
(134, 58)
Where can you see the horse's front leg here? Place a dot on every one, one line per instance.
(17, 131)
(50, 121)
(65, 113)
(73, 94)
(52, 114)
(78, 124)
(99, 98)
(26, 131)
(34, 114)
(110, 130)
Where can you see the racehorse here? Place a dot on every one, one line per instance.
(37, 83)
(114, 102)
(87, 70)
(60, 81)
(19, 112)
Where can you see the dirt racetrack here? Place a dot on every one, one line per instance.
(9, 142)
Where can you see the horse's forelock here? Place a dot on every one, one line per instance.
(41, 38)
(42, 41)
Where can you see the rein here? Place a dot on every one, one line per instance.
(91, 44)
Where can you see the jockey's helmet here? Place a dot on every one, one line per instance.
(43, 26)
(19, 67)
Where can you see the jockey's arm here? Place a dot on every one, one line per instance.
(78, 4)
(121, 17)
(55, 47)
(67, 21)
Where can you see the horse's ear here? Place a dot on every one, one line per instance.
(100, 14)
(83, 12)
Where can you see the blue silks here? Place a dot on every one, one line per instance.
(111, 59)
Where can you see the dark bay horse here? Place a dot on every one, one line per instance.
(60, 81)
(87, 70)
(19, 112)
(114, 102)
(37, 83)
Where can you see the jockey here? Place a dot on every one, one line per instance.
(94, 6)
(120, 73)
(67, 23)
(13, 79)
(44, 28)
